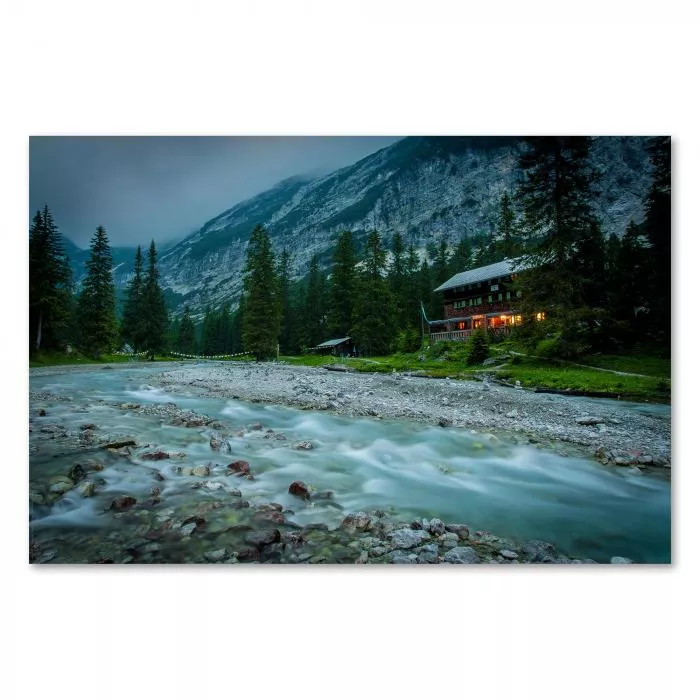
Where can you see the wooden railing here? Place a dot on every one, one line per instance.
(464, 335)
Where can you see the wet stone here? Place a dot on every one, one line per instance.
(259, 538)
(462, 555)
(215, 555)
(406, 538)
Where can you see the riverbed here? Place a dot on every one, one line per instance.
(345, 446)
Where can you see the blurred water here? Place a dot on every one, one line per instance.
(413, 470)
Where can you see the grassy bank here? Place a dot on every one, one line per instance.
(532, 373)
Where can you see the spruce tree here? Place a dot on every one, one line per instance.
(96, 302)
(186, 341)
(507, 245)
(50, 285)
(260, 301)
(397, 277)
(555, 197)
(374, 329)
(314, 321)
(153, 312)
(133, 326)
(286, 312)
(342, 287)
(441, 273)
(461, 259)
(657, 225)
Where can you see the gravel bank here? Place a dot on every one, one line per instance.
(610, 431)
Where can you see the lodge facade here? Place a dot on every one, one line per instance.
(484, 297)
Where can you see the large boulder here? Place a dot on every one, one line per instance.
(357, 521)
(122, 503)
(406, 538)
(60, 484)
(539, 552)
(259, 538)
(462, 555)
(239, 468)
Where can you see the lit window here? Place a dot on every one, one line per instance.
(540, 316)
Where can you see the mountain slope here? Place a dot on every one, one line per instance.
(423, 187)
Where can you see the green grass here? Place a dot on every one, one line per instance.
(531, 372)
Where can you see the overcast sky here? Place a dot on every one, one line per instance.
(165, 187)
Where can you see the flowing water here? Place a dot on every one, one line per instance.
(407, 469)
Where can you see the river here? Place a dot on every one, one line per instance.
(408, 469)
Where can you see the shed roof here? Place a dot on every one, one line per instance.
(332, 343)
(487, 272)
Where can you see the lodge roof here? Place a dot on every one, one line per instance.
(487, 272)
(332, 343)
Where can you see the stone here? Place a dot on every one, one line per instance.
(122, 503)
(436, 527)
(449, 539)
(462, 555)
(88, 426)
(118, 444)
(536, 551)
(300, 489)
(508, 554)
(36, 498)
(357, 521)
(41, 412)
(201, 471)
(87, 489)
(459, 529)
(622, 461)
(400, 557)
(219, 444)
(405, 538)
(46, 556)
(303, 445)
(61, 484)
(155, 456)
(590, 420)
(215, 555)
(76, 473)
(645, 460)
(258, 538)
(239, 468)
(621, 560)
(256, 426)
(323, 495)
(512, 414)
(188, 529)
(428, 554)
(292, 537)
(269, 517)
(363, 558)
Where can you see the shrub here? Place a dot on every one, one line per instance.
(477, 347)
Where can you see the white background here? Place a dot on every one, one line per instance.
(352, 68)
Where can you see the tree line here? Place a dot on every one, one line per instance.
(62, 314)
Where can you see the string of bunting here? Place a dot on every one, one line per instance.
(208, 357)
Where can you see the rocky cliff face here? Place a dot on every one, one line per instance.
(422, 187)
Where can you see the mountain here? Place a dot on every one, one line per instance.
(422, 187)
(122, 262)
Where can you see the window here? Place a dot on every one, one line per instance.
(490, 298)
(508, 295)
(494, 287)
(500, 296)
(478, 300)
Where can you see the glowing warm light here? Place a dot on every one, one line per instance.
(540, 316)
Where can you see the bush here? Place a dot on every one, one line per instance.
(408, 341)
(477, 348)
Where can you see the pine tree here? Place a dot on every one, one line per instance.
(50, 285)
(441, 273)
(461, 259)
(153, 312)
(186, 341)
(507, 245)
(314, 322)
(657, 225)
(260, 301)
(133, 326)
(413, 290)
(342, 287)
(96, 302)
(397, 277)
(555, 198)
(374, 329)
(287, 330)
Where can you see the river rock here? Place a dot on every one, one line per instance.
(303, 445)
(122, 503)
(300, 489)
(436, 527)
(462, 555)
(621, 560)
(399, 556)
(155, 456)
(201, 471)
(87, 489)
(219, 444)
(188, 529)
(239, 468)
(76, 473)
(428, 554)
(36, 498)
(256, 426)
(536, 551)
(449, 539)
(258, 538)
(41, 412)
(405, 538)
(215, 555)
(357, 521)
(269, 517)
(508, 554)
(590, 420)
(61, 484)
